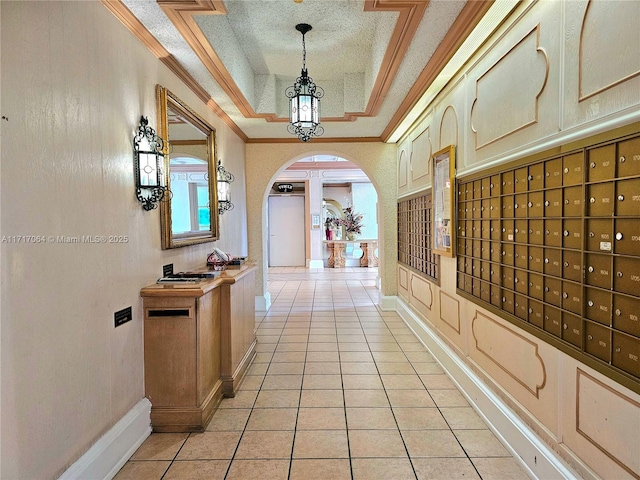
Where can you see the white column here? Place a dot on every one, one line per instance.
(315, 208)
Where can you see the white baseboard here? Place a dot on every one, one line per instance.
(107, 456)
(526, 447)
(263, 303)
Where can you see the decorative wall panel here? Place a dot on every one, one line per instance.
(507, 94)
(421, 150)
(604, 60)
(510, 351)
(421, 292)
(449, 128)
(609, 420)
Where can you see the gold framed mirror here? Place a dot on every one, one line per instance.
(191, 214)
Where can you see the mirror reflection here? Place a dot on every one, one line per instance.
(191, 216)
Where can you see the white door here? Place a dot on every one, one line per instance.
(286, 231)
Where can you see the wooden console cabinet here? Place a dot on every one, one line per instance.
(199, 339)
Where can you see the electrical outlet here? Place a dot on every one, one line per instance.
(167, 270)
(122, 316)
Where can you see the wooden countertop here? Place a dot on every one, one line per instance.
(199, 287)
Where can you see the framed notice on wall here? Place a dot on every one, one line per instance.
(444, 177)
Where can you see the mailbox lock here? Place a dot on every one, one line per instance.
(504, 183)
(504, 299)
(618, 312)
(566, 264)
(530, 177)
(504, 253)
(566, 170)
(621, 197)
(531, 231)
(565, 295)
(531, 284)
(530, 310)
(482, 209)
(566, 233)
(590, 269)
(620, 274)
(619, 236)
(592, 200)
(547, 232)
(590, 337)
(566, 201)
(517, 230)
(491, 185)
(590, 303)
(516, 280)
(546, 260)
(530, 257)
(515, 206)
(517, 255)
(530, 204)
(504, 229)
(622, 159)
(593, 164)
(491, 229)
(565, 326)
(591, 234)
(547, 203)
(546, 289)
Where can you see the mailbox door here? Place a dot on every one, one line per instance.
(536, 259)
(495, 185)
(553, 291)
(552, 322)
(485, 189)
(629, 158)
(572, 168)
(536, 313)
(507, 231)
(507, 301)
(553, 262)
(507, 182)
(553, 173)
(521, 307)
(553, 203)
(626, 237)
(507, 206)
(507, 278)
(496, 252)
(485, 292)
(601, 163)
(536, 286)
(536, 204)
(572, 201)
(495, 231)
(598, 305)
(521, 180)
(496, 296)
(600, 235)
(536, 176)
(572, 297)
(628, 197)
(485, 271)
(553, 233)
(597, 340)
(507, 254)
(600, 199)
(521, 260)
(626, 314)
(521, 281)
(572, 265)
(520, 209)
(485, 229)
(521, 231)
(572, 233)
(494, 207)
(572, 329)
(496, 276)
(627, 275)
(598, 270)
(625, 353)
(536, 232)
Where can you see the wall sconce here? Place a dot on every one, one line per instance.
(148, 161)
(224, 191)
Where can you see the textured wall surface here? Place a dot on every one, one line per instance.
(74, 85)
(378, 160)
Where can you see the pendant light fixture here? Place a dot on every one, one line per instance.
(304, 100)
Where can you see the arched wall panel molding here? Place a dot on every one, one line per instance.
(602, 414)
(507, 95)
(421, 150)
(450, 311)
(603, 65)
(403, 278)
(511, 352)
(403, 168)
(449, 128)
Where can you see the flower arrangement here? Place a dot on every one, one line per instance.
(351, 221)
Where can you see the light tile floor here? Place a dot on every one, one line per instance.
(338, 390)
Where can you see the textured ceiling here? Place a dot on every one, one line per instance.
(367, 56)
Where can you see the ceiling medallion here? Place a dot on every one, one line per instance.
(304, 100)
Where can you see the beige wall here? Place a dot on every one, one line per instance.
(74, 85)
(533, 88)
(377, 160)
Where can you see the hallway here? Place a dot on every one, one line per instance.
(338, 390)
